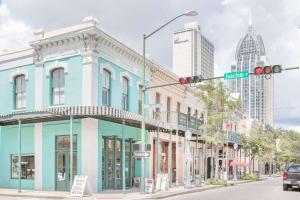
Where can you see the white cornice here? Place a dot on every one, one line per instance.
(15, 55)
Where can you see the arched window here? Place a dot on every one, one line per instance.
(125, 94)
(106, 88)
(20, 92)
(58, 86)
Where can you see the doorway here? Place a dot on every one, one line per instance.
(62, 169)
(112, 163)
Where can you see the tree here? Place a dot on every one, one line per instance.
(219, 106)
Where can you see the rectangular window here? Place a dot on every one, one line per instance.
(140, 99)
(168, 109)
(156, 114)
(20, 92)
(125, 94)
(27, 166)
(58, 86)
(178, 111)
(106, 88)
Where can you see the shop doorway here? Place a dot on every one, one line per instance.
(112, 163)
(62, 155)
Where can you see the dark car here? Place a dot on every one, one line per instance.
(291, 177)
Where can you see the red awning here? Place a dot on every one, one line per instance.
(237, 163)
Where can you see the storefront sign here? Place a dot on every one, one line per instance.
(148, 186)
(80, 187)
(141, 154)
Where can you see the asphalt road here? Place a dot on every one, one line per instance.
(270, 189)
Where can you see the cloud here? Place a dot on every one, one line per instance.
(223, 22)
(14, 33)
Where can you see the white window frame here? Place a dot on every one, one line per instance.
(20, 91)
(106, 87)
(58, 92)
(125, 93)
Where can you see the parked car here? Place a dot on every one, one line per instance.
(291, 177)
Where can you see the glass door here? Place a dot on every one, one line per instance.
(63, 182)
(62, 171)
(112, 163)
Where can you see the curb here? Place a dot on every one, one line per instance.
(33, 196)
(186, 192)
(162, 196)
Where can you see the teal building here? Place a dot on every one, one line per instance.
(70, 105)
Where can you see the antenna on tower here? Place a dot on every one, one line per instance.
(250, 18)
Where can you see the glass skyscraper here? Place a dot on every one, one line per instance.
(256, 92)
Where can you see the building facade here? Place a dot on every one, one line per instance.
(70, 106)
(256, 92)
(193, 53)
(178, 108)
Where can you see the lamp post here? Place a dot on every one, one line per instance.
(190, 13)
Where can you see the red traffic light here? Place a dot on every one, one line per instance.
(267, 70)
(190, 79)
(258, 70)
(182, 80)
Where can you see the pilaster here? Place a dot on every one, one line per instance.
(90, 78)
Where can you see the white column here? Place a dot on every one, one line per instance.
(89, 151)
(38, 86)
(89, 78)
(38, 156)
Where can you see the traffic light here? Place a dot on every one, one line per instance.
(267, 69)
(190, 79)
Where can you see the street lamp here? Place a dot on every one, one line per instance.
(190, 13)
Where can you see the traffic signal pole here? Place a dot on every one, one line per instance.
(208, 79)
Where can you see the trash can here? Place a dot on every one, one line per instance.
(198, 180)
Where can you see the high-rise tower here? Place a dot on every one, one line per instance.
(256, 92)
(193, 54)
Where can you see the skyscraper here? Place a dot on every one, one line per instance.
(256, 92)
(193, 54)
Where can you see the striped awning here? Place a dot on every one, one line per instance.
(77, 112)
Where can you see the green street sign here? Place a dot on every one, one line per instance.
(236, 75)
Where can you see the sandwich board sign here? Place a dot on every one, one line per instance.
(80, 187)
(148, 186)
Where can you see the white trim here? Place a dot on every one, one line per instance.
(89, 151)
(128, 76)
(38, 86)
(38, 156)
(109, 68)
(56, 64)
(18, 72)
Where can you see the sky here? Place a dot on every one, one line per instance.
(223, 22)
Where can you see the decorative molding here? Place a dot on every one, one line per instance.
(109, 68)
(18, 72)
(128, 76)
(56, 64)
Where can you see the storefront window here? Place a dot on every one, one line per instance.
(27, 167)
(63, 142)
